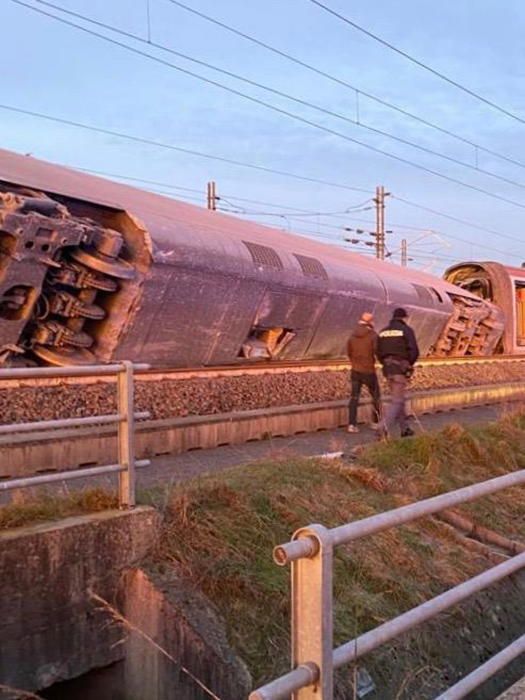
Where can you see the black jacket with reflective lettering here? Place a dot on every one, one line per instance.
(398, 341)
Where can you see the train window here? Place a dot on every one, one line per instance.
(264, 255)
(311, 267)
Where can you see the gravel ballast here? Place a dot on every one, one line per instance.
(169, 398)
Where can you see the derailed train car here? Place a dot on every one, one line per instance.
(92, 270)
(503, 286)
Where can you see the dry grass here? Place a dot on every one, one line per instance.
(221, 531)
(46, 507)
(454, 457)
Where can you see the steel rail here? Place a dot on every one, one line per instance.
(269, 367)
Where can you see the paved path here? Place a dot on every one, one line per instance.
(172, 469)
(175, 468)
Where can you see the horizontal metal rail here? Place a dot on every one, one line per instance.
(307, 547)
(67, 423)
(73, 371)
(369, 641)
(29, 481)
(124, 418)
(485, 671)
(310, 553)
(307, 674)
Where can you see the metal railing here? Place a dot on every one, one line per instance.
(124, 419)
(311, 556)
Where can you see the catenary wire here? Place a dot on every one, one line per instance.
(445, 234)
(341, 240)
(245, 212)
(446, 216)
(240, 163)
(348, 218)
(267, 88)
(305, 212)
(179, 149)
(344, 83)
(341, 214)
(284, 112)
(417, 62)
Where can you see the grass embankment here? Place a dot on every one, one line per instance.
(46, 507)
(221, 530)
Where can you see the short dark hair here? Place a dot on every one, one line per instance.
(399, 313)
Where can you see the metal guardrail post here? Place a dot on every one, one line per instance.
(310, 552)
(126, 431)
(312, 626)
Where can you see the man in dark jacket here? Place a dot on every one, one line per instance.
(361, 350)
(397, 351)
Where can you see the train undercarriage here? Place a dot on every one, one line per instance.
(59, 277)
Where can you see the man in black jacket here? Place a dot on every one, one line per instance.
(397, 350)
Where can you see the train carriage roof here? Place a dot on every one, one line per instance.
(171, 222)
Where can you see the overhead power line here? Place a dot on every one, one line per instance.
(447, 216)
(280, 93)
(168, 185)
(231, 161)
(344, 83)
(290, 217)
(244, 212)
(279, 110)
(303, 212)
(179, 149)
(419, 63)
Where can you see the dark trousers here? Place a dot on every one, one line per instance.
(358, 380)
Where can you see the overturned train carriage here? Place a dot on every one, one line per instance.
(503, 286)
(91, 271)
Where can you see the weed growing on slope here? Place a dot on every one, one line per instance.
(220, 531)
(53, 507)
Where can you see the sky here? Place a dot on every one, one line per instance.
(61, 71)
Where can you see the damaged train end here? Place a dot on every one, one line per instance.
(70, 276)
(499, 286)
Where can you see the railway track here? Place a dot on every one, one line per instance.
(251, 369)
(194, 409)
